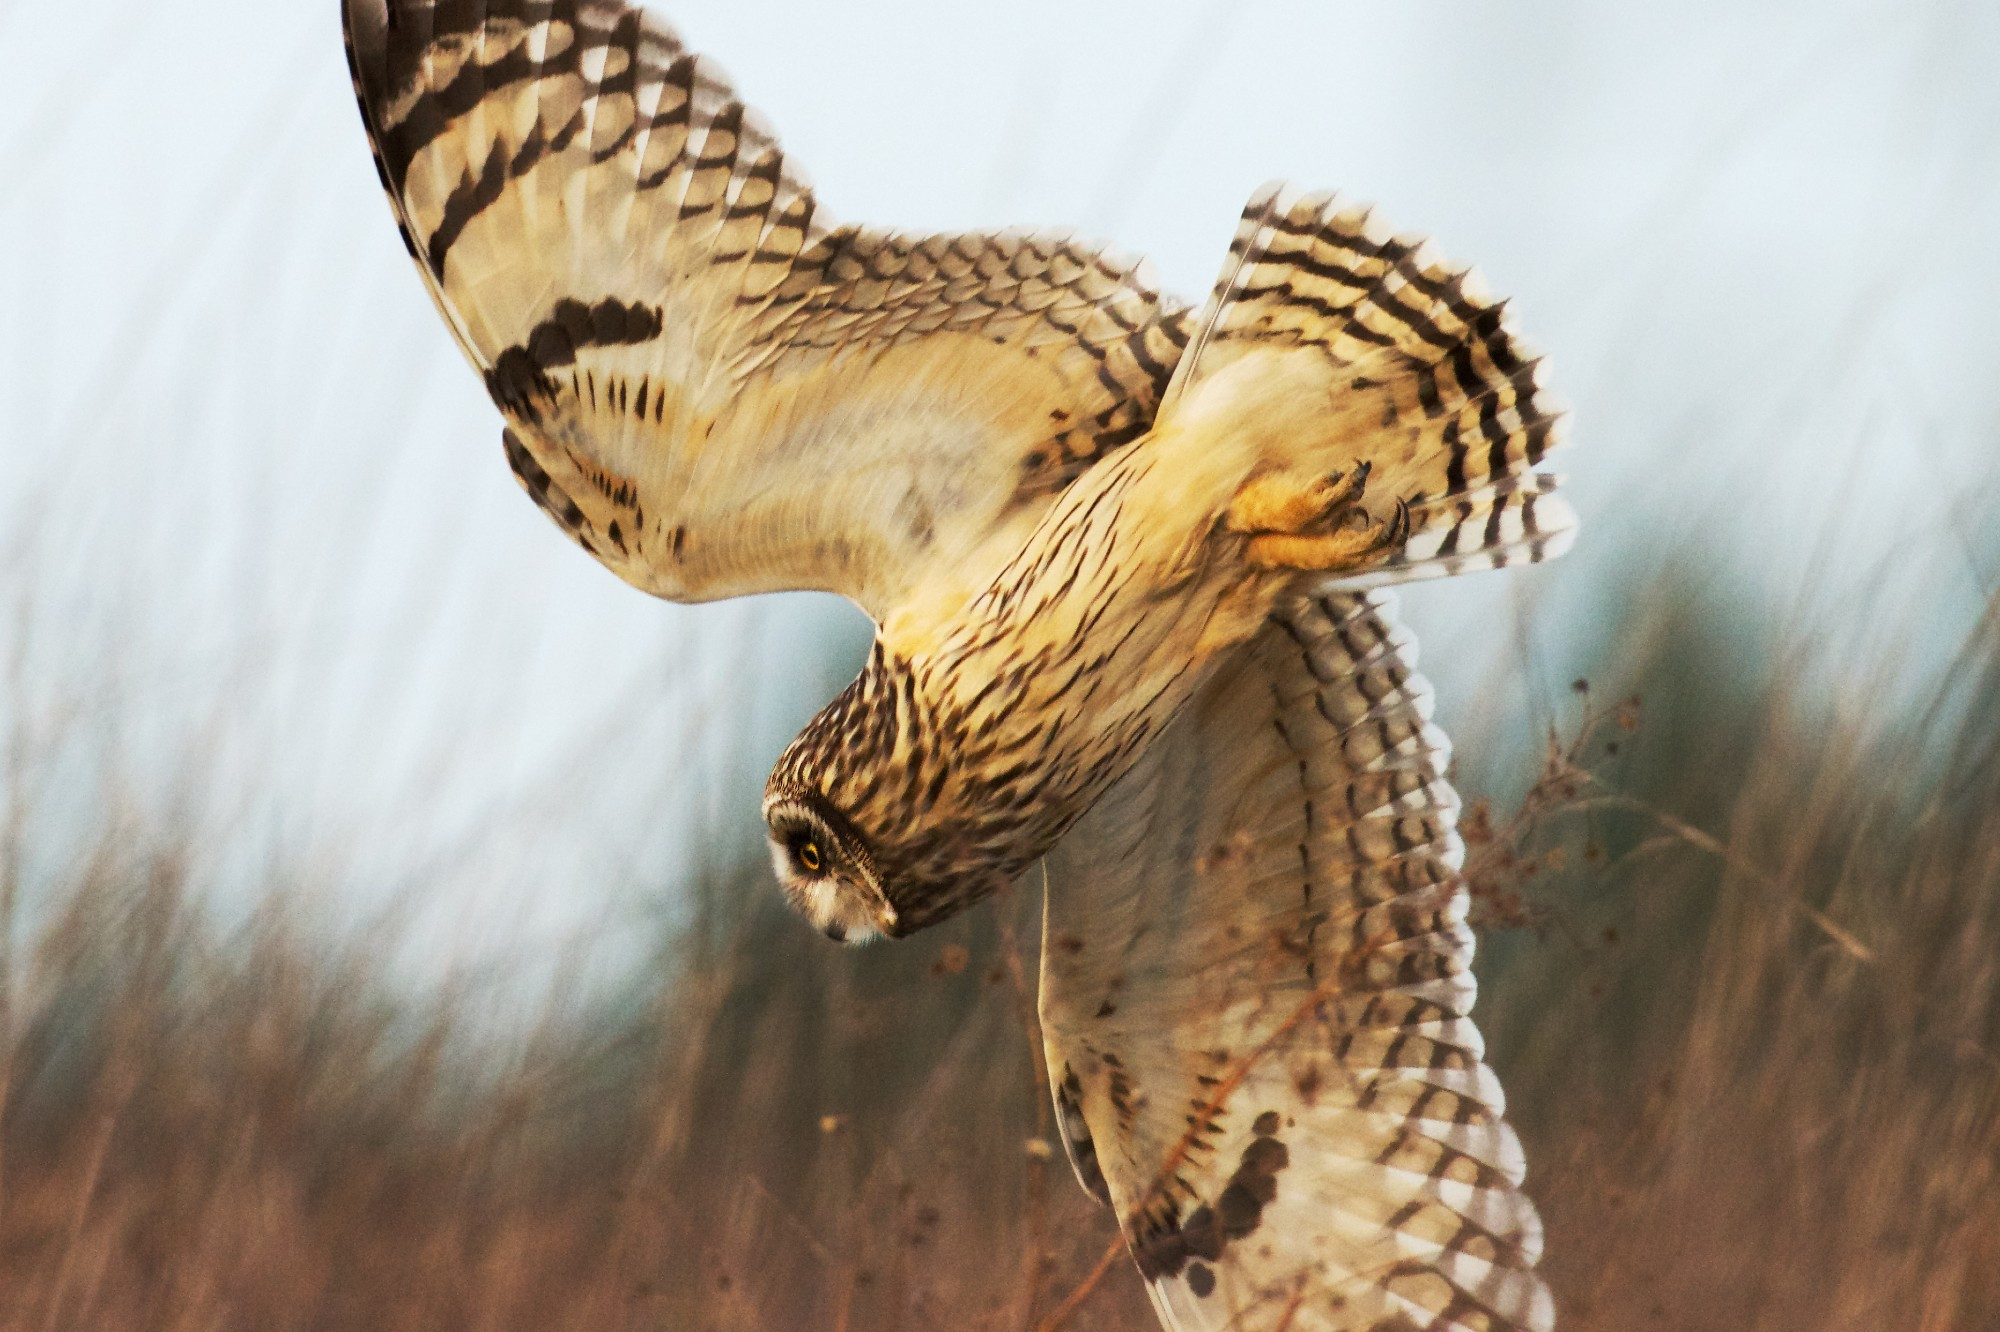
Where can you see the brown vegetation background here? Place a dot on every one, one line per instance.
(1742, 983)
(283, 647)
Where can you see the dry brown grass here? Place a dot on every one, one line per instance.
(251, 1134)
(1749, 1012)
(1759, 1075)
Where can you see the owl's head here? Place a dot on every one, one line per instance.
(825, 867)
(872, 831)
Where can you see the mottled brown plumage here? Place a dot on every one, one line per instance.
(1088, 523)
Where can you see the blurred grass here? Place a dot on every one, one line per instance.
(255, 1132)
(1758, 1074)
(1757, 1085)
(1749, 1017)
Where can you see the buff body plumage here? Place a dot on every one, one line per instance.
(1278, 460)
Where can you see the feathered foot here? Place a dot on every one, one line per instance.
(1319, 527)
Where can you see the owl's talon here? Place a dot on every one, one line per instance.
(1343, 550)
(1397, 530)
(1358, 486)
(1277, 502)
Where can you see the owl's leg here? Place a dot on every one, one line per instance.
(1317, 527)
(1277, 502)
(1331, 552)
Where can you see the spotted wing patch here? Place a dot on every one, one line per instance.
(1264, 1011)
(686, 346)
(1408, 365)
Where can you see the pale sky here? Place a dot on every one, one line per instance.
(255, 518)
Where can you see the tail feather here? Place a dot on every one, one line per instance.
(1522, 522)
(1414, 368)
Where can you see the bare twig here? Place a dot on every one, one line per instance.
(1687, 833)
(1059, 1317)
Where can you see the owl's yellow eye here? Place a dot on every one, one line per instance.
(810, 857)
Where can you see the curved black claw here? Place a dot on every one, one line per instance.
(1356, 486)
(1397, 530)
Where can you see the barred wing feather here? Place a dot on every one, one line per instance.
(708, 383)
(1256, 999)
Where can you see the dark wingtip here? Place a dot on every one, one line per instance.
(366, 23)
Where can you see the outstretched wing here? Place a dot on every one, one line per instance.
(709, 384)
(1256, 997)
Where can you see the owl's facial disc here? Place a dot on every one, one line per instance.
(825, 870)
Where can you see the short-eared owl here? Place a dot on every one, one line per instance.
(1120, 555)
